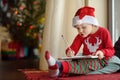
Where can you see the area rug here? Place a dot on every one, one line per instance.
(43, 75)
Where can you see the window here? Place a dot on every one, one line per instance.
(114, 19)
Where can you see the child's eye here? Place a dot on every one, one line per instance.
(83, 27)
(78, 28)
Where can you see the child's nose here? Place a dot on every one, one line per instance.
(80, 31)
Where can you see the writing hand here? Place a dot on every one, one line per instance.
(70, 53)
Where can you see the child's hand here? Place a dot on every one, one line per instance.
(70, 53)
(99, 53)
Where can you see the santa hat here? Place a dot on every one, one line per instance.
(85, 15)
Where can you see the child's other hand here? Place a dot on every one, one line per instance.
(99, 53)
(70, 53)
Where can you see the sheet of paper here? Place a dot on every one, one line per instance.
(77, 57)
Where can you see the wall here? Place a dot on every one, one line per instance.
(101, 11)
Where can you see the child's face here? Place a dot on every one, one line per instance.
(84, 29)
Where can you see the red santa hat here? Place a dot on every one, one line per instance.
(85, 15)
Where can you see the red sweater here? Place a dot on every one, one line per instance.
(101, 40)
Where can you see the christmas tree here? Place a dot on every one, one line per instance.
(28, 22)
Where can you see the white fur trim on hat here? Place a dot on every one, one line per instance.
(85, 19)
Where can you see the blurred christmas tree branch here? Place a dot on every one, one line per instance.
(28, 22)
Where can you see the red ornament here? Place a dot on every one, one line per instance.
(31, 27)
(18, 24)
(22, 7)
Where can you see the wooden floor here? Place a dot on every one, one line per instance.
(9, 68)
